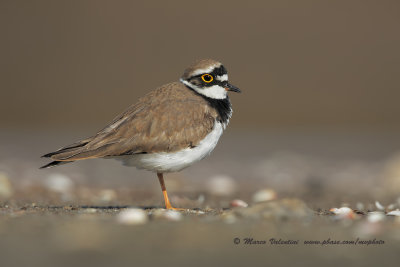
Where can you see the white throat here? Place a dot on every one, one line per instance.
(215, 91)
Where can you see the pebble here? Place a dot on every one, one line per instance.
(58, 182)
(221, 185)
(132, 217)
(6, 189)
(379, 206)
(343, 213)
(376, 216)
(264, 195)
(172, 215)
(107, 195)
(195, 211)
(239, 203)
(394, 213)
(89, 210)
(169, 215)
(360, 206)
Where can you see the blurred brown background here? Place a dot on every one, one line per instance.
(318, 120)
(74, 64)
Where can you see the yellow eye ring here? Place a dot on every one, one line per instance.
(207, 78)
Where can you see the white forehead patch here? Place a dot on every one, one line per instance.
(222, 78)
(215, 91)
(205, 70)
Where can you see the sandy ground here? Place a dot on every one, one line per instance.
(100, 213)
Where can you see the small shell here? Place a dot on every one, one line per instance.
(89, 210)
(360, 206)
(264, 195)
(344, 212)
(394, 213)
(132, 216)
(379, 206)
(169, 215)
(58, 182)
(376, 216)
(239, 203)
(172, 215)
(6, 189)
(107, 195)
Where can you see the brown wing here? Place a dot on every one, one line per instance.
(166, 120)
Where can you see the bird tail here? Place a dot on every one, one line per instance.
(54, 164)
(61, 156)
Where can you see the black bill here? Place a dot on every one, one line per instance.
(230, 87)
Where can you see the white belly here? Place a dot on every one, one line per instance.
(176, 161)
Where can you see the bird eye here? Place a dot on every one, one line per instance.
(207, 78)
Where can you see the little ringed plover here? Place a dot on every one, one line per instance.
(168, 129)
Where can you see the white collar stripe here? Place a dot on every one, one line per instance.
(206, 70)
(222, 78)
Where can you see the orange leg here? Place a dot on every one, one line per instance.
(164, 190)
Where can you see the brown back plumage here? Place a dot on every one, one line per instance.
(168, 119)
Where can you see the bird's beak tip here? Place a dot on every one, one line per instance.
(232, 88)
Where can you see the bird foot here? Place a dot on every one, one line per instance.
(172, 208)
